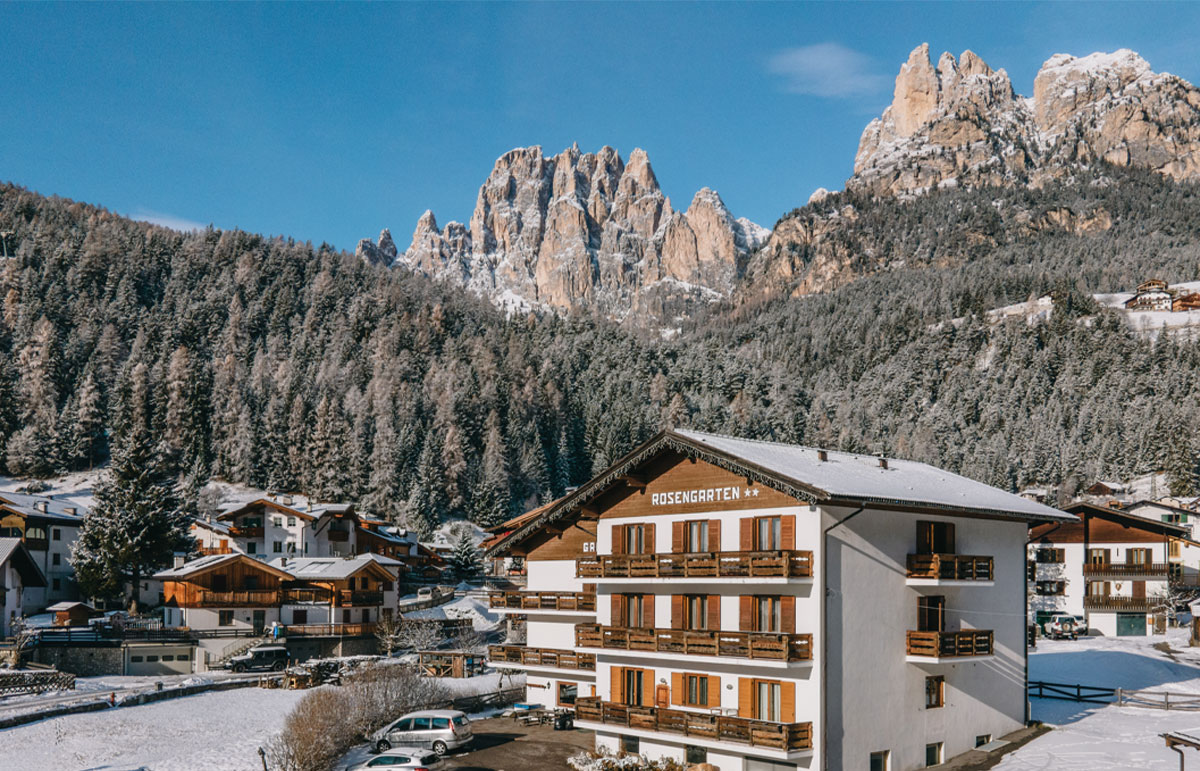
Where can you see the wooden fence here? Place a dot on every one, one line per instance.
(1122, 697)
(35, 682)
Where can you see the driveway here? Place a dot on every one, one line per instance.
(502, 744)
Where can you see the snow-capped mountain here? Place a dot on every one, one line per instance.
(582, 231)
(961, 123)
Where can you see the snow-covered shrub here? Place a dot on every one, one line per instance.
(605, 760)
(379, 694)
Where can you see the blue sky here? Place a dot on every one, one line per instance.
(328, 122)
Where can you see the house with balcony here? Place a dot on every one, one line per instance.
(48, 527)
(767, 606)
(336, 596)
(277, 526)
(223, 591)
(1117, 568)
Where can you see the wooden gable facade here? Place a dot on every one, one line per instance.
(365, 586)
(239, 581)
(1102, 524)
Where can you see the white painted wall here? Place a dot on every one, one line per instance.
(209, 618)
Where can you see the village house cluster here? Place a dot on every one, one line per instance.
(1157, 295)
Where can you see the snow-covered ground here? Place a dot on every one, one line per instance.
(482, 618)
(1094, 737)
(218, 731)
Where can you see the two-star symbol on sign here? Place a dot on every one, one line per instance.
(751, 492)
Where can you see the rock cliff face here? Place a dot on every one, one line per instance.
(960, 123)
(584, 231)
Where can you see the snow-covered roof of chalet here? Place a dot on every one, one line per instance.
(211, 561)
(305, 509)
(64, 511)
(1180, 532)
(14, 549)
(840, 479)
(1157, 505)
(330, 568)
(212, 524)
(67, 605)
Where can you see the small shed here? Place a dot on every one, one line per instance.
(72, 613)
(451, 663)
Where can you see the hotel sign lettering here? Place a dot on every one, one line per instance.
(703, 495)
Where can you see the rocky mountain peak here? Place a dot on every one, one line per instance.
(383, 252)
(962, 123)
(589, 231)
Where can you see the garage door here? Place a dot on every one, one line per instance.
(1131, 624)
(160, 661)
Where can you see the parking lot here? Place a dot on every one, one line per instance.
(502, 744)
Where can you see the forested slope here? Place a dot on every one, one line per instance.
(288, 366)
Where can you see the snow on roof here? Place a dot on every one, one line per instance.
(56, 607)
(65, 511)
(862, 478)
(197, 565)
(14, 549)
(332, 568)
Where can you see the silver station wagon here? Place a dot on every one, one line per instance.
(441, 730)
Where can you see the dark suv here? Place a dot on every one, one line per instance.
(272, 658)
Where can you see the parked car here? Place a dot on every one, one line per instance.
(411, 758)
(261, 659)
(438, 729)
(1081, 626)
(425, 593)
(1061, 625)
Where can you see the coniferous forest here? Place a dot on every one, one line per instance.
(290, 366)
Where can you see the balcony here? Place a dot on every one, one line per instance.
(698, 565)
(565, 602)
(932, 647)
(350, 598)
(209, 551)
(307, 595)
(1114, 604)
(330, 630)
(250, 598)
(764, 646)
(943, 569)
(788, 737)
(545, 658)
(246, 532)
(1144, 571)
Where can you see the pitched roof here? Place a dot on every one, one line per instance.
(213, 561)
(1136, 520)
(840, 479)
(331, 568)
(13, 549)
(56, 509)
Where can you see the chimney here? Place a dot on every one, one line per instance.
(70, 510)
(822, 455)
(882, 461)
(41, 506)
(179, 560)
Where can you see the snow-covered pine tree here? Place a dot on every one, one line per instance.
(136, 526)
(465, 561)
(493, 501)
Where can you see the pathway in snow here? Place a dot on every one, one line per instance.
(1092, 737)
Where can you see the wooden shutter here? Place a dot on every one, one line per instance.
(714, 691)
(948, 538)
(677, 533)
(924, 538)
(649, 547)
(787, 614)
(745, 697)
(787, 531)
(618, 539)
(745, 614)
(787, 702)
(714, 535)
(648, 610)
(677, 618)
(617, 692)
(747, 532)
(714, 612)
(618, 610)
(677, 688)
(647, 687)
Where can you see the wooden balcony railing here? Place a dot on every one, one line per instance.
(255, 598)
(1119, 570)
(360, 597)
(541, 657)
(724, 564)
(1109, 603)
(702, 725)
(972, 642)
(687, 642)
(246, 532)
(208, 551)
(582, 601)
(331, 630)
(950, 567)
(308, 594)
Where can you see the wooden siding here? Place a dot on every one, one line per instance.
(670, 473)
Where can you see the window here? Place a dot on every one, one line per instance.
(277, 521)
(880, 761)
(933, 754)
(291, 547)
(183, 657)
(768, 614)
(151, 659)
(935, 692)
(277, 547)
(366, 615)
(1050, 588)
(768, 701)
(224, 618)
(695, 690)
(35, 533)
(56, 559)
(299, 617)
(291, 521)
(1051, 555)
(168, 657)
(630, 744)
(1137, 556)
(567, 693)
(1173, 550)
(56, 534)
(696, 610)
(697, 536)
(1031, 570)
(56, 583)
(441, 724)
(420, 724)
(634, 678)
(694, 754)
(635, 540)
(983, 739)
(251, 547)
(346, 616)
(767, 534)
(135, 659)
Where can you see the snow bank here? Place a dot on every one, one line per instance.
(482, 618)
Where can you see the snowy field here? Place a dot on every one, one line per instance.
(1096, 737)
(213, 731)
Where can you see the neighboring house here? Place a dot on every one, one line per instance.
(233, 591)
(1108, 492)
(1153, 285)
(346, 594)
(1038, 494)
(49, 528)
(767, 606)
(275, 526)
(1186, 302)
(1153, 300)
(72, 613)
(1174, 515)
(1113, 566)
(18, 573)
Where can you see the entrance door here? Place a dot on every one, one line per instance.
(634, 679)
(935, 538)
(260, 621)
(1131, 624)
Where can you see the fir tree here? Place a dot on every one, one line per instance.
(466, 560)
